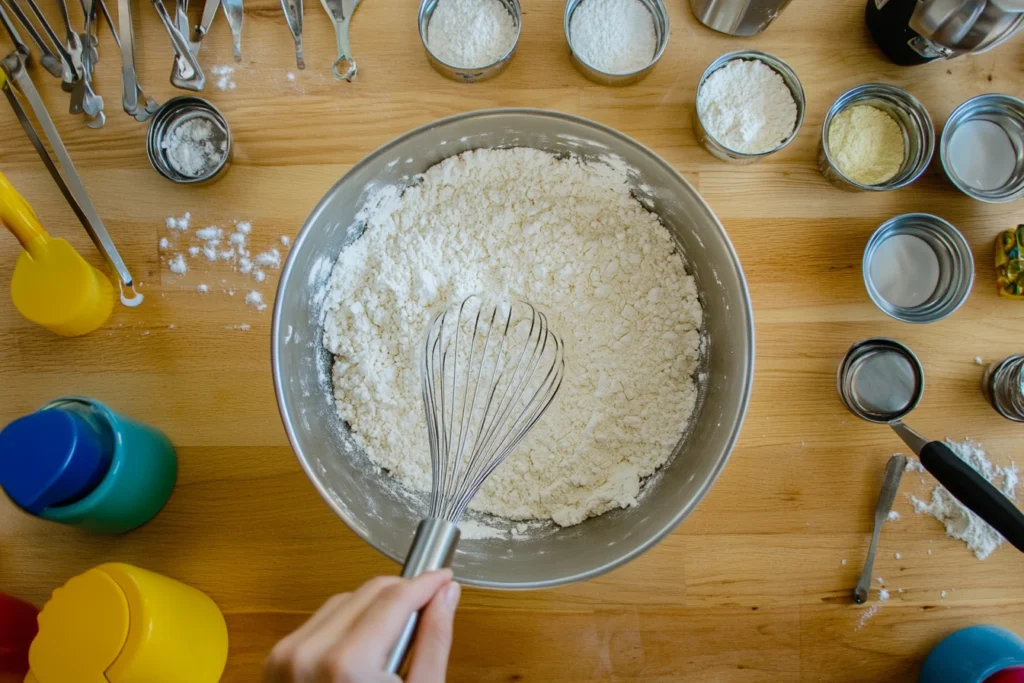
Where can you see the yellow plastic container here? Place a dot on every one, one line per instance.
(122, 624)
(53, 285)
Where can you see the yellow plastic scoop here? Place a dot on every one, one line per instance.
(53, 285)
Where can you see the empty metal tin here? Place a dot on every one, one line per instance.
(661, 29)
(1007, 113)
(461, 73)
(716, 148)
(909, 114)
(1003, 386)
(953, 268)
(168, 118)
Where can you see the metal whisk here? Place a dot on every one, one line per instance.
(490, 368)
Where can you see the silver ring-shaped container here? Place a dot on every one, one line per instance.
(855, 358)
(464, 74)
(913, 120)
(956, 266)
(173, 113)
(716, 148)
(661, 29)
(1007, 113)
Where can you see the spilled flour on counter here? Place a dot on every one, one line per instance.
(960, 522)
(567, 236)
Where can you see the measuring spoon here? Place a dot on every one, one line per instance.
(293, 15)
(340, 12)
(882, 381)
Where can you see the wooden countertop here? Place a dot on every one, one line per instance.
(755, 584)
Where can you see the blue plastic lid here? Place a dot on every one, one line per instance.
(51, 457)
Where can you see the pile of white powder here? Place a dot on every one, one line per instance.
(470, 34)
(747, 107)
(567, 236)
(960, 522)
(195, 147)
(614, 36)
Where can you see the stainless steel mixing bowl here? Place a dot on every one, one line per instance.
(385, 514)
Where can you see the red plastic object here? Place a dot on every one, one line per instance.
(1015, 674)
(18, 626)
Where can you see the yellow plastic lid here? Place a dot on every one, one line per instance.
(82, 630)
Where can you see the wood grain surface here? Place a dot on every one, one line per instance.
(755, 585)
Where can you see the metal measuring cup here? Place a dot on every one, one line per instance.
(882, 381)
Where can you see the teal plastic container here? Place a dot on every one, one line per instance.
(138, 481)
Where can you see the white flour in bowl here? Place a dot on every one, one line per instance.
(567, 236)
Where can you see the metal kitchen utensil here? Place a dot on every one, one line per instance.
(785, 72)
(890, 484)
(659, 17)
(180, 70)
(882, 381)
(66, 62)
(174, 113)
(209, 14)
(908, 113)
(489, 369)
(293, 15)
(73, 44)
(918, 31)
(83, 98)
(461, 73)
(340, 12)
(12, 31)
(235, 14)
(385, 515)
(1004, 111)
(191, 76)
(1003, 386)
(66, 176)
(737, 17)
(48, 60)
(131, 91)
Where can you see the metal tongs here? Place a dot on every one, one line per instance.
(131, 91)
(15, 81)
(181, 68)
(49, 61)
(341, 12)
(83, 97)
(235, 14)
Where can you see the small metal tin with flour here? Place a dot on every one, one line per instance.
(909, 114)
(918, 268)
(716, 148)
(175, 113)
(1004, 113)
(462, 74)
(659, 14)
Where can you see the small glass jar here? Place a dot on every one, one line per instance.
(1003, 386)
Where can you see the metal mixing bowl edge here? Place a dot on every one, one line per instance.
(731, 417)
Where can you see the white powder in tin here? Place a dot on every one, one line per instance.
(960, 522)
(747, 106)
(567, 236)
(470, 34)
(614, 36)
(193, 148)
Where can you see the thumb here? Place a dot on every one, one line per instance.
(433, 641)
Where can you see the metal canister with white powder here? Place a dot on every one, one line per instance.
(918, 268)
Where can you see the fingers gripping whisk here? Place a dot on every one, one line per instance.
(490, 368)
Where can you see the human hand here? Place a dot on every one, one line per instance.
(349, 638)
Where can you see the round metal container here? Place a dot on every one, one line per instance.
(385, 514)
(956, 267)
(172, 114)
(1003, 386)
(661, 29)
(716, 148)
(465, 74)
(1007, 113)
(913, 120)
(860, 391)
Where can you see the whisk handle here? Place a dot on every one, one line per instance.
(432, 548)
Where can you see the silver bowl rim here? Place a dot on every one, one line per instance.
(779, 66)
(748, 356)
